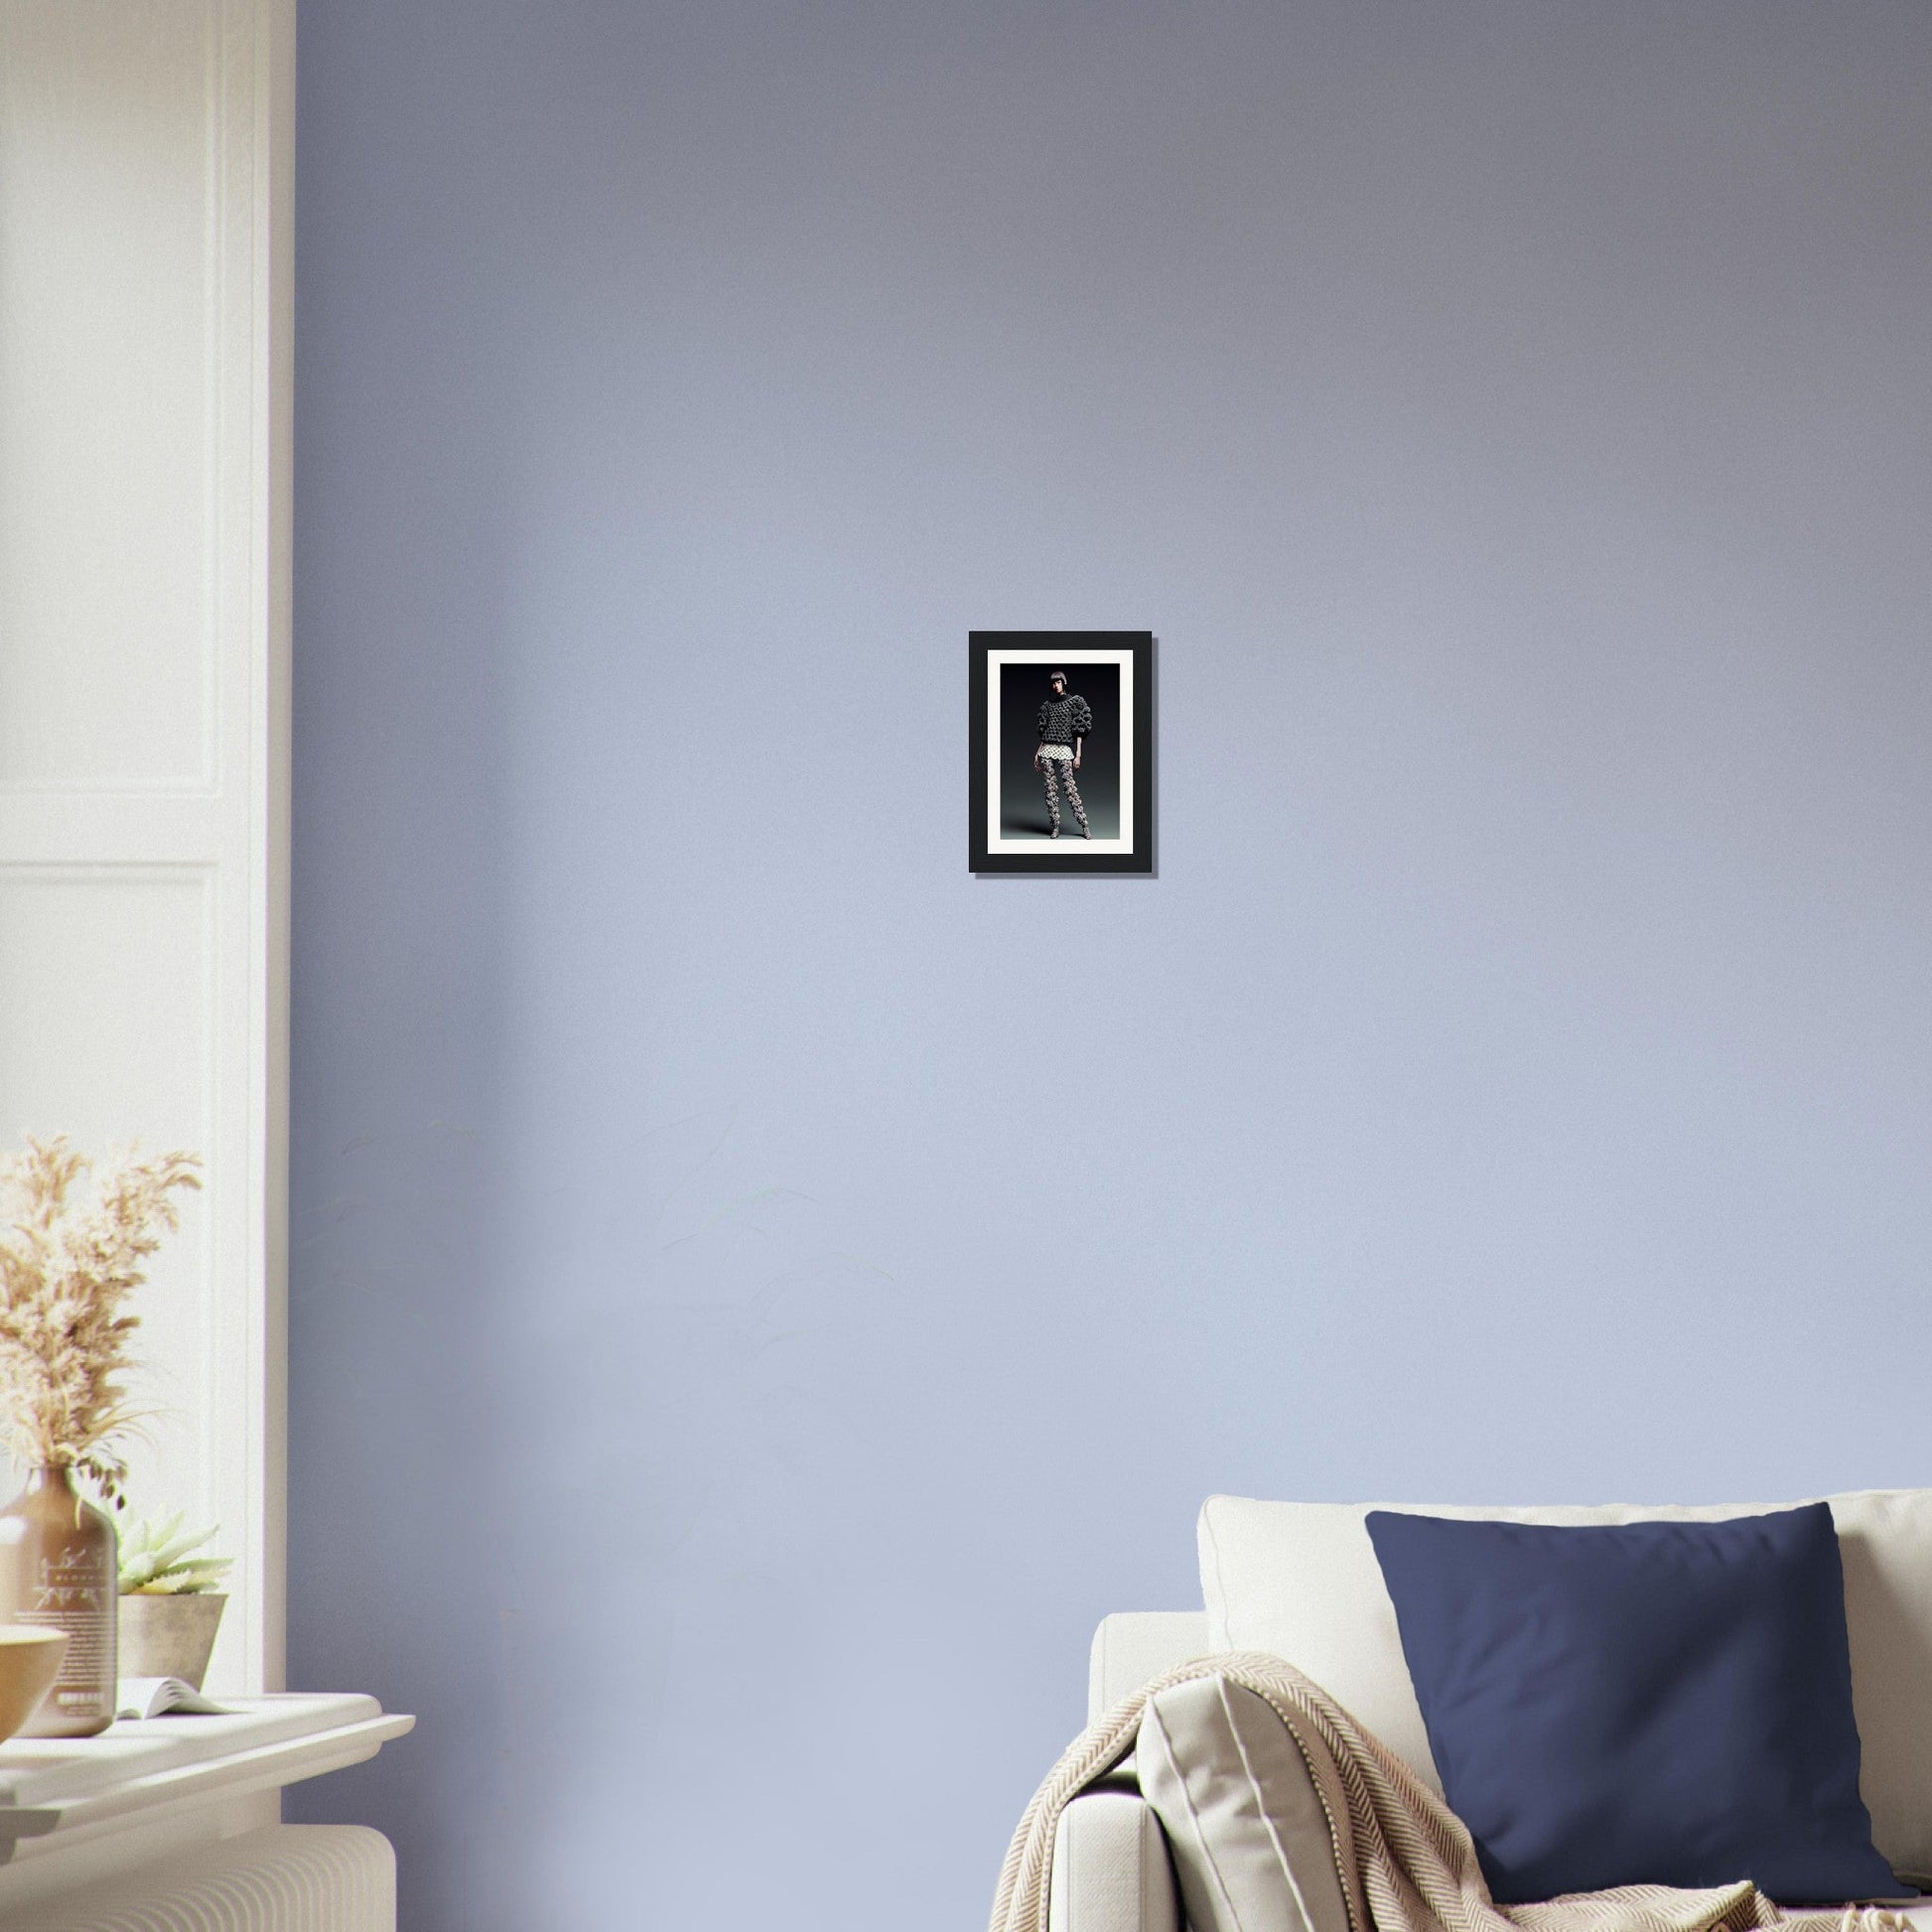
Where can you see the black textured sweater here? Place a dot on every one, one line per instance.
(1062, 720)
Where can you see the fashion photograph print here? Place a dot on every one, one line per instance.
(1060, 724)
(1059, 751)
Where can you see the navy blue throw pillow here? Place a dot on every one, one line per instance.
(1639, 1703)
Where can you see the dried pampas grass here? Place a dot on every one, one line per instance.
(65, 1272)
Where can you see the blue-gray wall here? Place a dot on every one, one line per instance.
(759, 1295)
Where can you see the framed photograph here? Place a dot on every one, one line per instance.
(1060, 725)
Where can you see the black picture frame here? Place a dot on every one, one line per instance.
(1009, 813)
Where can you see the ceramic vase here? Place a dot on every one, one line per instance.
(60, 1553)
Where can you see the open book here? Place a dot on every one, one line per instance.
(163, 1696)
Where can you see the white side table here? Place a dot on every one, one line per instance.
(188, 1801)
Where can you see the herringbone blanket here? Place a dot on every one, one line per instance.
(1406, 1861)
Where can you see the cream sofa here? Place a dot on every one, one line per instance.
(1300, 1580)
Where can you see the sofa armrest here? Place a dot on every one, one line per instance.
(1111, 1870)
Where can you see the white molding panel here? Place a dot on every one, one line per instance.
(146, 224)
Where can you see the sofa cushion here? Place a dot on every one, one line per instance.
(1301, 1580)
(1134, 1647)
(1631, 1704)
(1252, 1846)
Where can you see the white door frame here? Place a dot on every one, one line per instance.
(146, 384)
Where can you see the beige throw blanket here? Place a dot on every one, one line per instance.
(1406, 1861)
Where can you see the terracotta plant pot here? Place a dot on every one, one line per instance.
(170, 1636)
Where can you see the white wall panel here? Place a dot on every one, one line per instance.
(106, 1001)
(110, 182)
(145, 154)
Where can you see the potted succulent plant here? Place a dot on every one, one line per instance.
(171, 1607)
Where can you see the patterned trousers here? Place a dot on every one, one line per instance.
(1057, 772)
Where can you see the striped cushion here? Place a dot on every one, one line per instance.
(1249, 1840)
